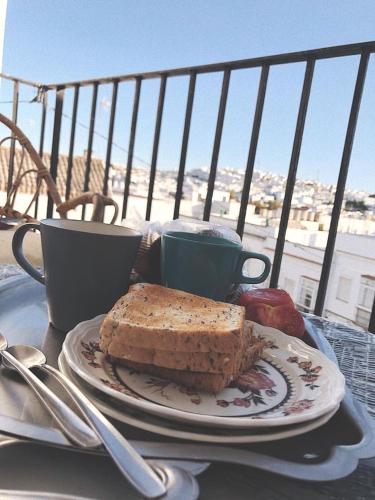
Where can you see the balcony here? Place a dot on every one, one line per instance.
(325, 252)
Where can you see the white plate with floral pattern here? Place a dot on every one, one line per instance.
(292, 383)
(161, 426)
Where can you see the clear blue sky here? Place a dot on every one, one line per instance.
(53, 41)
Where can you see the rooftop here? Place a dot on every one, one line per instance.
(78, 173)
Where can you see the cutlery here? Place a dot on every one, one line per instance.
(178, 476)
(21, 432)
(128, 460)
(16, 428)
(32, 495)
(77, 431)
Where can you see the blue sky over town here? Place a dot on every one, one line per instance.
(52, 41)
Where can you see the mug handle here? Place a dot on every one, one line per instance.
(241, 278)
(18, 251)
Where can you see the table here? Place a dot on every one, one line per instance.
(355, 351)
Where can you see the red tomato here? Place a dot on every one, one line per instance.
(289, 320)
(271, 296)
(275, 308)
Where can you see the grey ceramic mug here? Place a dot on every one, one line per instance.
(87, 266)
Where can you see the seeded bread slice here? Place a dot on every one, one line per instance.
(156, 317)
(215, 362)
(210, 362)
(208, 382)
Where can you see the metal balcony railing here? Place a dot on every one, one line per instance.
(362, 50)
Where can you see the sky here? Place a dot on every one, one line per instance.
(52, 41)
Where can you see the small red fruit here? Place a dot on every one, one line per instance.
(275, 308)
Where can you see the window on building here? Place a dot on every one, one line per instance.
(362, 318)
(365, 300)
(343, 289)
(306, 297)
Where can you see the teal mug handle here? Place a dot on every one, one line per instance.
(241, 278)
(18, 252)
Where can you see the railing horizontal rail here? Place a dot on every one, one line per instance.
(291, 57)
(23, 81)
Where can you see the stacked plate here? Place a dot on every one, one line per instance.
(293, 389)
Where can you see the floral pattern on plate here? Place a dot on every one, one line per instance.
(260, 390)
(254, 392)
(310, 373)
(252, 383)
(170, 428)
(291, 383)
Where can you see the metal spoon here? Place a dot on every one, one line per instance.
(127, 459)
(75, 429)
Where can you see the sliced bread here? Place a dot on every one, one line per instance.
(210, 362)
(155, 317)
(208, 382)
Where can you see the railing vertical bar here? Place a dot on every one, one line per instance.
(216, 148)
(90, 142)
(289, 188)
(371, 326)
(340, 188)
(13, 142)
(71, 143)
(55, 143)
(184, 145)
(159, 116)
(41, 141)
(252, 149)
(110, 136)
(133, 129)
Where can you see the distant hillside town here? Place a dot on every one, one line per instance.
(312, 201)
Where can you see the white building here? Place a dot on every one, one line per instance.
(351, 287)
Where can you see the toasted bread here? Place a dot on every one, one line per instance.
(208, 382)
(155, 317)
(215, 362)
(210, 362)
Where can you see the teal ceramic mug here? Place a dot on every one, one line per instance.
(205, 265)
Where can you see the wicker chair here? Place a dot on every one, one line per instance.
(8, 211)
